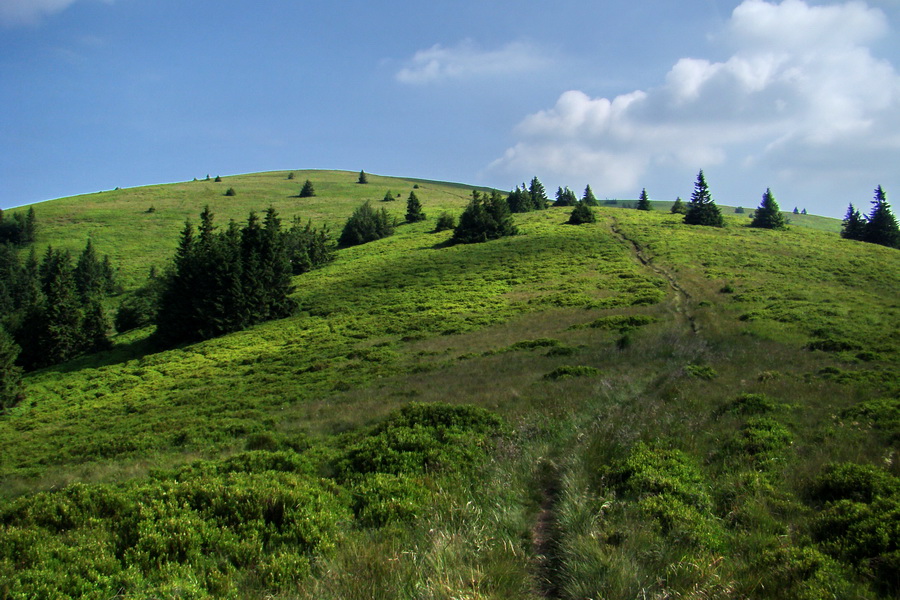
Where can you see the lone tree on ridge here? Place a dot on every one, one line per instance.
(768, 215)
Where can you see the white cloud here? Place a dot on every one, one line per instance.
(29, 12)
(801, 87)
(466, 60)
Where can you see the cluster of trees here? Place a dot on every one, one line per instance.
(226, 280)
(53, 308)
(528, 198)
(20, 229)
(487, 217)
(879, 227)
(366, 224)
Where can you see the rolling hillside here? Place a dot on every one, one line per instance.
(631, 408)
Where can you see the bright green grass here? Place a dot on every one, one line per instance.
(408, 318)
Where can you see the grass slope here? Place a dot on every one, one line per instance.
(669, 400)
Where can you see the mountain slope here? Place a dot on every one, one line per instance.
(672, 398)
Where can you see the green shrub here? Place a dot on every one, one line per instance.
(566, 371)
(752, 404)
(655, 471)
(365, 225)
(700, 372)
(850, 481)
(762, 437)
(383, 498)
(621, 322)
(444, 222)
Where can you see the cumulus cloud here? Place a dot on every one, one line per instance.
(466, 60)
(801, 86)
(29, 12)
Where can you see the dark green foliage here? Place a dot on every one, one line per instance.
(582, 213)
(363, 179)
(383, 498)
(484, 219)
(768, 214)
(700, 372)
(218, 179)
(139, 309)
(588, 198)
(388, 196)
(306, 247)
(95, 327)
(204, 535)
(94, 277)
(567, 371)
(230, 192)
(860, 521)
(854, 225)
(11, 390)
(644, 201)
(565, 197)
(739, 210)
(307, 191)
(20, 229)
(702, 210)
(290, 175)
(423, 438)
(444, 222)
(679, 207)
(539, 200)
(752, 404)
(622, 322)
(365, 225)
(225, 281)
(881, 226)
(414, 212)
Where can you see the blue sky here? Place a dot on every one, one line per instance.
(800, 96)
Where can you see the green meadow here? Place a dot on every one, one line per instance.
(630, 408)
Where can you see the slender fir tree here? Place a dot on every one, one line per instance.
(644, 201)
(768, 214)
(11, 390)
(307, 191)
(588, 199)
(414, 209)
(363, 178)
(881, 226)
(702, 210)
(679, 207)
(539, 200)
(854, 225)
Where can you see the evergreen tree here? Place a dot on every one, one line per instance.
(519, 200)
(582, 213)
(702, 210)
(11, 390)
(881, 227)
(539, 200)
(388, 196)
(307, 191)
(444, 222)
(565, 197)
(230, 192)
(768, 214)
(644, 202)
(95, 327)
(365, 225)
(679, 207)
(485, 218)
(363, 179)
(854, 225)
(588, 199)
(89, 280)
(414, 209)
(29, 230)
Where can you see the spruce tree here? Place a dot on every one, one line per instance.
(588, 199)
(414, 212)
(768, 214)
(485, 218)
(444, 222)
(539, 200)
(582, 213)
(881, 226)
(519, 200)
(89, 280)
(702, 210)
(11, 390)
(854, 225)
(565, 197)
(307, 191)
(365, 225)
(388, 196)
(363, 179)
(679, 207)
(644, 201)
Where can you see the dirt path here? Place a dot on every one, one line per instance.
(545, 535)
(681, 298)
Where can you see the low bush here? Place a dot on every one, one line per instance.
(567, 371)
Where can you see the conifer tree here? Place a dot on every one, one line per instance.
(565, 197)
(414, 209)
(388, 196)
(519, 200)
(588, 199)
(444, 222)
(95, 326)
(582, 213)
(485, 218)
(363, 179)
(644, 201)
(365, 225)
(88, 273)
(539, 200)
(11, 389)
(702, 210)
(854, 225)
(308, 191)
(881, 226)
(679, 207)
(768, 214)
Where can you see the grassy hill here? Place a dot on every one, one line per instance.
(633, 407)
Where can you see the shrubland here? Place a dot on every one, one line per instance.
(633, 407)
